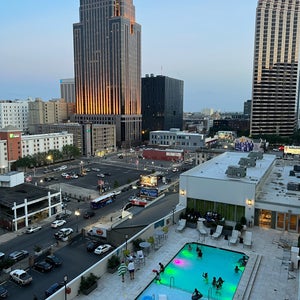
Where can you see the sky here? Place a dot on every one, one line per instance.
(206, 43)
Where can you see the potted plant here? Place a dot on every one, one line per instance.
(88, 284)
(113, 263)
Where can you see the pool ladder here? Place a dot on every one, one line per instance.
(172, 280)
(209, 293)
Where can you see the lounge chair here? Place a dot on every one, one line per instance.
(162, 297)
(181, 225)
(218, 232)
(140, 257)
(234, 237)
(201, 228)
(247, 239)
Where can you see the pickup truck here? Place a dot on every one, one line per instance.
(20, 276)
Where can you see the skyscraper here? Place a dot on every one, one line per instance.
(275, 71)
(107, 64)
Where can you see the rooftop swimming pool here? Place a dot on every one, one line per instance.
(184, 273)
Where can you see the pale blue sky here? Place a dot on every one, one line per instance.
(206, 43)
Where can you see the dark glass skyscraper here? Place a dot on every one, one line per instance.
(275, 73)
(107, 64)
(162, 103)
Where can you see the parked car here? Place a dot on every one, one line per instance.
(58, 223)
(53, 288)
(3, 292)
(18, 255)
(96, 169)
(42, 266)
(107, 174)
(33, 229)
(66, 199)
(88, 214)
(2, 255)
(92, 245)
(63, 233)
(53, 260)
(64, 175)
(102, 249)
(62, 216)
(20, 276)
(101, 175)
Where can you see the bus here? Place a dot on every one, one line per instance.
(102, 200)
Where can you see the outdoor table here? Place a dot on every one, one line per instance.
(145, 246)
(159, 234)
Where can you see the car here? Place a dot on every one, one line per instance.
(63, 233)
(47, 171)
(66, 199)
(101, 175)
(47, 179)
(63, 216)
(102, 249)
(42, 266)
(64, 175)
(58, 223)
(53, 260)
(87, 170)
(53, 288)
(107, 174)
(174, 170)
(3, 292)
(74, 176)
(20, 276)
(96, 169)
(18, 255)
(88, 214)
(33, 229)
(92, 245)
(2, 256)
(117, 192)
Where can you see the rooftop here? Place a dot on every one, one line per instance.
(272, 279)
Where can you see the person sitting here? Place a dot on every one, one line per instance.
(196, 295)
(236, 269)
(200, 253)
(161, 268)
(243, 261)
(214, 281)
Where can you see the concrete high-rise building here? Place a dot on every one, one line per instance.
(275, 72)
(107, 66)
(67, 90)
(162, 103)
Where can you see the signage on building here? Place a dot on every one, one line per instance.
(148, 180)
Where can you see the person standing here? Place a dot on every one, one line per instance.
(122, 270)
(131, 269)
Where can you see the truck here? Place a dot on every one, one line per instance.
(20, 276)
(100, 230)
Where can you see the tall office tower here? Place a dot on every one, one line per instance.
(107, 64)
(67, 90)
(275, 71)
(162, 103)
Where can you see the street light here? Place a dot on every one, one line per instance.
(126, 238)
(77, 214)
(65, 283)
(173, 212)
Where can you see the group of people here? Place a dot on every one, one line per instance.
(123, 269)
(196, 295)
(243, 261)
(198, 250)
(157, 273)
(217, 283)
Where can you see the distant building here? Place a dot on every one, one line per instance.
(174, 138)
(67, 90)
(48, 112)
(33, 144)
(162, 103)
(247, 108)
(91, 139)
(14, 113)
(276, 70)
(107, 65)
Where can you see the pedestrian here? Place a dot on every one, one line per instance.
(214, 281)
(130, 268)
(122, 270)
(161, 268)
(157, 276)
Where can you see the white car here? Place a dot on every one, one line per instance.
(63, 233)
(96, 169)
(33, 229)
(74, 176)
(64, 174)
(58, 223)
(101, 175)
(102, 249)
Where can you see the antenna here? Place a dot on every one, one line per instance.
(161, 70)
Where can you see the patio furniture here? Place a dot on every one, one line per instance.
(247, 239)
(234, 237)
(218, 232)
(201, 228)
(181, 225)
(140, 256)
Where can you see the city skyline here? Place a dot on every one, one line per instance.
(213, 58)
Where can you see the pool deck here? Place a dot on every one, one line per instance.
(268, 274)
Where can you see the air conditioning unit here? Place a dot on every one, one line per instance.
(247, 162)
(256, 155)
(236, 171)
(293, 186)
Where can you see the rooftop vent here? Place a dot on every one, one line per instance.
(293, 186)
(236, 171)
(247, 162)
(256, 155)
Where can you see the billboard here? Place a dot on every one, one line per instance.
(148, 192)
(148, 180)
(292, 150)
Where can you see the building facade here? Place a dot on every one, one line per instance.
(275, 72)
(67, 90)
(162, 103)
(33, 144)
(177, 139)
(14, 113)
(107, 64)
